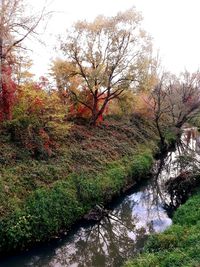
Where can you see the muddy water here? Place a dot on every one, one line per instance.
(121, 234)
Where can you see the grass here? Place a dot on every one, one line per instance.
(177, 246)
(42, 197)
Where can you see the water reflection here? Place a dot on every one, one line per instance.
(123, 231)
(110, 241)
(183, 161)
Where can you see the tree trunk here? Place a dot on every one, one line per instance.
(97, 113)
(180, 123)
(162, 139)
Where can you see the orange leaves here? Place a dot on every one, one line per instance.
(32, 98)
(37, 105)
(46, 141)
(144, 105)
(79, 111)
(88, 107)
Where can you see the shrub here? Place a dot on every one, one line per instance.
(141, 164)
(15, 231)
(88, 190)
(170, 136)
(189, 213)
(28, 132)
(53, 209)
(149, 260)
(45, 212)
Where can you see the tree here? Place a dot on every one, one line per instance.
(106, 55)
(65, 83)
(21, 69)
(183, 96)
(159, 107)
(174, 101)
(15, 27)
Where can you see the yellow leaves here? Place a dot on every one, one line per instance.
(32, 99)
(143, 105)
(123, 105)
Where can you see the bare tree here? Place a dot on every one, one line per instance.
(160, 109)
(174, 101)
(107, 55)
(183, 96)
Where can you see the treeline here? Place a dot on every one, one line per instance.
(107, 69)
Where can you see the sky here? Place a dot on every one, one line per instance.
(174, 26)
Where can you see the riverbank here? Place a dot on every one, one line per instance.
(41, 198)
(177, 246)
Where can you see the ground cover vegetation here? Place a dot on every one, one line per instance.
(67, 146)
(177, 246)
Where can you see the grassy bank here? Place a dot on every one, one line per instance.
(177, 246)
(42, 197)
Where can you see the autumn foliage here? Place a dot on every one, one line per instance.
(108, 69)
(78, 110)
(7, 95)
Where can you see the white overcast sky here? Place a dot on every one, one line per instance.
(173, 24)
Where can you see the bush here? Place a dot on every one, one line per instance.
(53, 209)
(44, 213)
(149, 260)
(113, 179)
(28, 132)
(189, 213)
(141, 164)
(170, 136)
(88, 190)
(15, 231)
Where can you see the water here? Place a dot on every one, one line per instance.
(119, 235)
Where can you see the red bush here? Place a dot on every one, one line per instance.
(7, 95)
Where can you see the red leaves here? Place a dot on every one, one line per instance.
(36, 105)
(7, 95)
(47, 143)
(88, 107)
(38, 142)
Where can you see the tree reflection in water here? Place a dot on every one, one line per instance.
(185, 158)
(107, 243)
(116, 237)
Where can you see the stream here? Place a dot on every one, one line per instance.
(121, 234)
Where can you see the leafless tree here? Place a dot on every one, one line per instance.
(159, 107)
(183, 96)
(175, 101)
